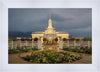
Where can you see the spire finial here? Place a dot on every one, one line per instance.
(50, 15)
(50, 21)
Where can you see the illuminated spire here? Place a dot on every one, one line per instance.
(50, 21)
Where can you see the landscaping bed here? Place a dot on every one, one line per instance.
(79, 50)
(10, 51)
(51, 57)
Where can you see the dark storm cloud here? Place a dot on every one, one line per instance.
(75, 21)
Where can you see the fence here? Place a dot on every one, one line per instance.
(22, 44)
(75, 44)
(31, 44)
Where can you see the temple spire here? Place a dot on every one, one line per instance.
(50, 21)
(49, 15)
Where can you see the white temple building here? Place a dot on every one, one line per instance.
(50, 33)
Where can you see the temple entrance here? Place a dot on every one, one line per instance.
(50, 40)
(50, 37)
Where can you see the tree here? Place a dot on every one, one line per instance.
(44, 39)
(56, 39)
(87, 39)
(72, 39)
(28, 39)
(64, 39)
(35, 39)
(77, 39)
(22, 39)
(14, 39)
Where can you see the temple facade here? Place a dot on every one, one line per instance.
(50, 33)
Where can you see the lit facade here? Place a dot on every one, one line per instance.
(50, 33)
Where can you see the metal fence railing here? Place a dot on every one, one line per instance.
(21, 44)
(31, 44)
(87, 44)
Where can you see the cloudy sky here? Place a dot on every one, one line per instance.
(76, 21)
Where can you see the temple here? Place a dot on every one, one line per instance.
(50, 33)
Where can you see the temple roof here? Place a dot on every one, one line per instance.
(62, 33)
(37, 32)
(56, 33)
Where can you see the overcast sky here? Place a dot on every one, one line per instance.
(77, 22)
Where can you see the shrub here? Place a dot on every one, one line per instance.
(27, 39)
(22, 39)
(64, 39)
(22, 50)
(56, 39)
(35, 39)
(81, 50)
(87, 39)
(13, 51)
(71, 39)
(44, 39)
